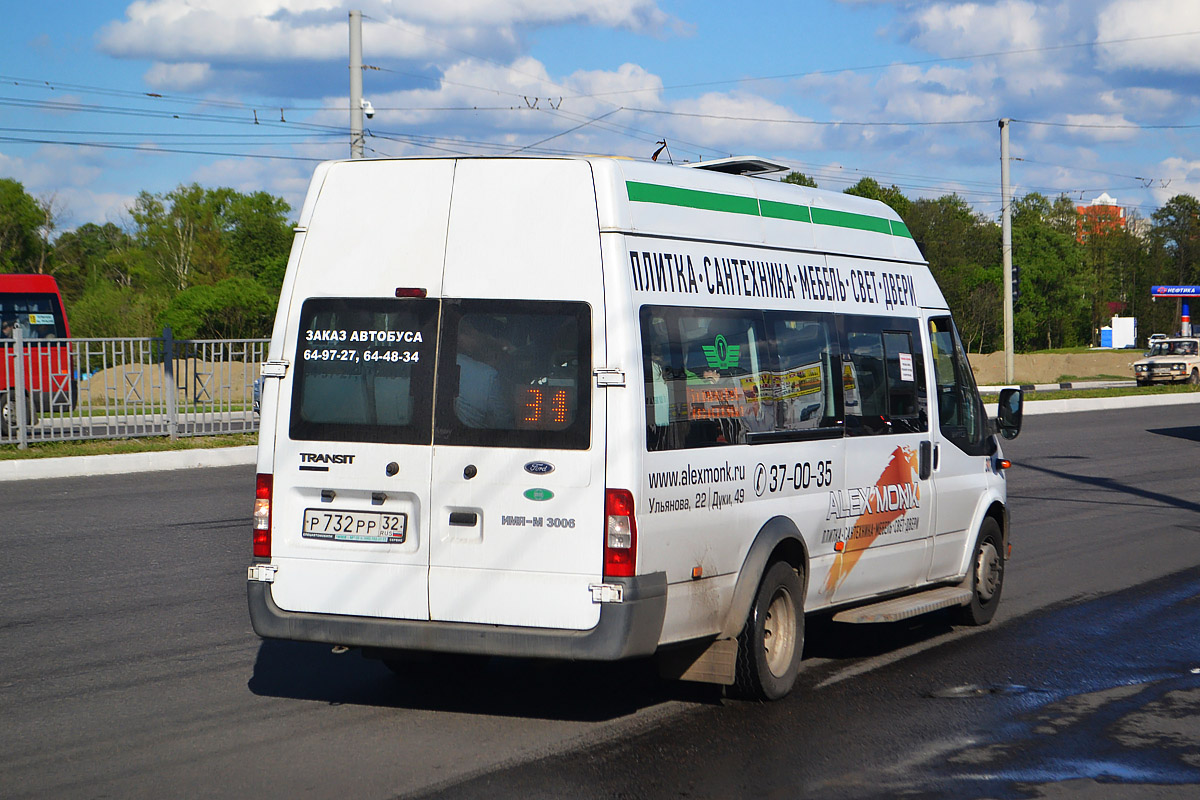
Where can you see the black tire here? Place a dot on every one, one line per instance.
(1194, 378)
(985, 577)
(772, 641)
(1141, 382)
(8, 413)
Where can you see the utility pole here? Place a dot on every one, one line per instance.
(1006, 250)
(356, 72)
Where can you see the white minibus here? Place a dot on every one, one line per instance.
(597, 409)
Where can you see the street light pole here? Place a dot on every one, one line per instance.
(1006, 250)
(356, 71)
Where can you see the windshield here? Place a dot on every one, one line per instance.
(1174, 347)
(39, 315)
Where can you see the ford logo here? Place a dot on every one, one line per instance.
(539, 468)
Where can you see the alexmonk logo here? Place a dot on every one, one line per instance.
(308, 461)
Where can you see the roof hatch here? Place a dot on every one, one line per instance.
(741, 165)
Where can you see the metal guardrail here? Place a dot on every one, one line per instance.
(73, 389)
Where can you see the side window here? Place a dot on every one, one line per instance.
(804, 383)
(884, 377)
(704, 373)
(960, 410)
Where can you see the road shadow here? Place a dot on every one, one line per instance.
(1190, 433)
(839, 641)
(505, 687)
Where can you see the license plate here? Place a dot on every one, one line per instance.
(379, 527)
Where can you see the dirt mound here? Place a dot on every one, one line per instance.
(1053, 367)
(200, 382)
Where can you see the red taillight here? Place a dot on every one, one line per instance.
(405, 291)
(620, 534)
(262, 515)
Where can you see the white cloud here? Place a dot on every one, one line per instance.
(1184, 178)
(1142, 101)
(178, 77)
(265, 31)
(732, 122)
(286, 179)
(638, 15)
(1103, 127)
(952, 29)
(1128, 19)
(203, 30)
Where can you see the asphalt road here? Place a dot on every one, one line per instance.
(128, 667)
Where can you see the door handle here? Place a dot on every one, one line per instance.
(465, 519)
(925, 460)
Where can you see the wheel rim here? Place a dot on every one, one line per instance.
(779, 632)
(987, 572)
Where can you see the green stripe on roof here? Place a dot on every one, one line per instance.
(846, 219)
(785, 211)
(737, 204)
(691, 198)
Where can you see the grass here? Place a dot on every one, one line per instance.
(95, 447)
(1066, 394)
(1070, 378)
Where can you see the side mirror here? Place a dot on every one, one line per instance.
(1008, 422)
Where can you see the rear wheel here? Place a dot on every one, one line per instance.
(986, 577)
(772, 641)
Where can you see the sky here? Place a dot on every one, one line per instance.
(101, 100)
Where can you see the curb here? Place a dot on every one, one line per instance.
(1037, 407)
(125, 463)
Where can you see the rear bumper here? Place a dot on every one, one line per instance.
(625, 630)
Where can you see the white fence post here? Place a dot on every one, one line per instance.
(19, 387)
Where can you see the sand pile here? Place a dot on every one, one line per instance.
(1053, 367)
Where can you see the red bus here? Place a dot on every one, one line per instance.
(33, 303)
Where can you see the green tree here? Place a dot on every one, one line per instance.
(1054, 308)
(963, 251)
(257, 236)
(234, 308)
(80, 256)
(1177, 228)
(21, 221)
(869, 187)
(1064, 218)
(110, 309)
(800, 179)
(181, 232)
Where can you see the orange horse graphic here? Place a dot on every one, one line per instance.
(901, 470)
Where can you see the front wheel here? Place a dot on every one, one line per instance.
(1194, 378)
(986, 577)
(772, 641)
(8, 413)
